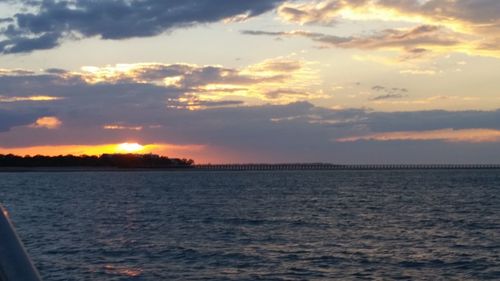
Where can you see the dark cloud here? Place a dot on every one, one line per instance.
(24, 44)
(318, 37)
(4, 20)
(275, 94)
(388, 97)
(13, 118)
(261, 32)
(52, 21)
(389, 93)
(55, 71)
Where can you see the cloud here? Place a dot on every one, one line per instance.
(45, 24)
(5, 20)
(147, 87)
(388, 97)
(45, 41)
(204, 86)
(135, 104)
(466, 15)
(414, 42)
(293, 132)
(379, 88)
(122, 127)
(10, 118)
(459, 15)
(47, 122)
(447, 135)
(425, 101)
(318, 12)
(419, 72)
(471, 26)
(4, 99)
(388, 93)
(278, 81)
(6, 72)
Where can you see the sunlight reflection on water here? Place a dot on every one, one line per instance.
(123, 271)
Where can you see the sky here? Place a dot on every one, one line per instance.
(261, 81)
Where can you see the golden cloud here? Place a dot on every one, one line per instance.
(47, 122)
(30, 98)
(472, 29)
(277, 81)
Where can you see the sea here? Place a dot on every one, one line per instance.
(258, 225)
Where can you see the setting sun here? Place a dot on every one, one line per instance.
(130, 147)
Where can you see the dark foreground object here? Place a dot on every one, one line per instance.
(15, 264)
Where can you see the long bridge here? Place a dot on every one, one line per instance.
(321, 166)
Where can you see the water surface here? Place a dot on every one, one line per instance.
(345, 225)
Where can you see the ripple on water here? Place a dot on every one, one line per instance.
(344, 225)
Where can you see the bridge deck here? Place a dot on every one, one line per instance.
(273, 167)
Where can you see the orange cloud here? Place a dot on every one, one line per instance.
(47, 123)
(447, 135)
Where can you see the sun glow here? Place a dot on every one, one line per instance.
(129, 147)
(182, 151)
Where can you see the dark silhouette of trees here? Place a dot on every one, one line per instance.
(139, 161)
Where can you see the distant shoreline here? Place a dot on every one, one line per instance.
(82, 169)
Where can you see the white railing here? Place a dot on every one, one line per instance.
(15, 264)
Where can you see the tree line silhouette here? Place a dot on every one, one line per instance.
(140, 161)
